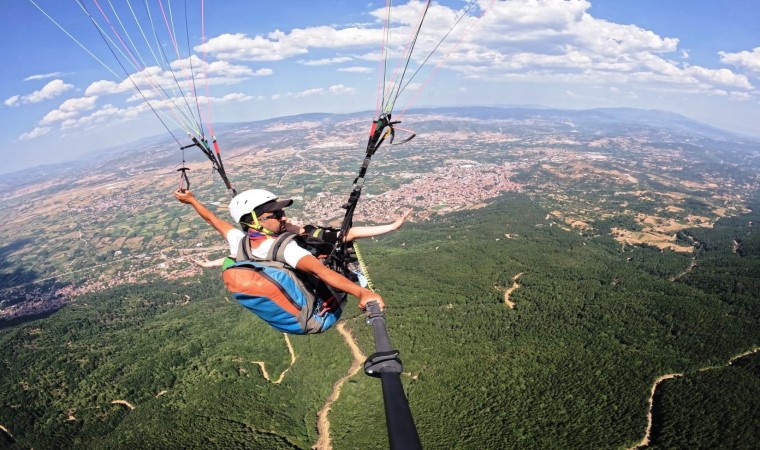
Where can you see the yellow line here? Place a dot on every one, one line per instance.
(363, 266)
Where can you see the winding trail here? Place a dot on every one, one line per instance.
(648, 433)
(691, 267)
(5, 430)
(123, 402)
(511, 304)
(323, 423)
(747, 353)
(263, 366)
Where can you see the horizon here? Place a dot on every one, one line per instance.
(165, 139)
(263, 64)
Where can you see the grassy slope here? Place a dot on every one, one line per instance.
(570, 367)
(690, 412)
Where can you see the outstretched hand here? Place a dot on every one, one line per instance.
(205, 263)
(400, 221)
(184, 196)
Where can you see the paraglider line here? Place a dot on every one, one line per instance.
(192, 71)
(129, 76)
(74, 39)
(464, 13)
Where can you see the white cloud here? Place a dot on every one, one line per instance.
(69, 109)
(413, 86)
(339, 89)
(35, 133)
(78, 104)
(108, 113)
(236, 97)
(57, 116)
(104, 87)
(229, 98)
(309, 92)
(137, 97)
(12, 101)
(373, 56)
(43, 76)
(224, 72)
(155, 82)
(740, 96)
(560, 41)
(744, 59)
(51, 90)
(553, 41)
(279, 45)
(263, 72)
(240, 47)
(722, 77)
(355, 69)
(325, 61)
(327, 37)
(336, 89)
(69, 113)
(557, 35)
(550, 40)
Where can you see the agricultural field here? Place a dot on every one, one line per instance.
(555, 268)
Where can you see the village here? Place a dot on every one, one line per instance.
(441, 191)
(138, 234)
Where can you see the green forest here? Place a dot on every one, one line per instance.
(693, 408)
(570, 367)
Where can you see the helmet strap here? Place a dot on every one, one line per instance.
(256, 225)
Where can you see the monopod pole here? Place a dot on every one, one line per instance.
(385, 364)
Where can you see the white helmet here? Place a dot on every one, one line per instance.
(245, 202)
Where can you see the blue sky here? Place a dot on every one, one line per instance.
(265, 59)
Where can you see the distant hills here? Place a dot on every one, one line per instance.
(651, 118)
(600, 118)
(558, 264)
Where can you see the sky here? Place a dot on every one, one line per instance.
(71, 66)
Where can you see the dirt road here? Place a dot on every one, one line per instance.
(511, 304)
(123, 402)
(323, 423)
(647, 434)
(263, 366)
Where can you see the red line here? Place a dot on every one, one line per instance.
(383, 59)
(209, 117)
(118, 36)
(169, 28)
(397, 71)
(140, 68)
(446, 57)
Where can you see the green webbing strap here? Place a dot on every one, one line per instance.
(363, 267)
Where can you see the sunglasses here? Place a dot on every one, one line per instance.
(279, 214)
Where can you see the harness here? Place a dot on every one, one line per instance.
(320, 241)
(276, 251)
(276, 256)
(287, 299)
